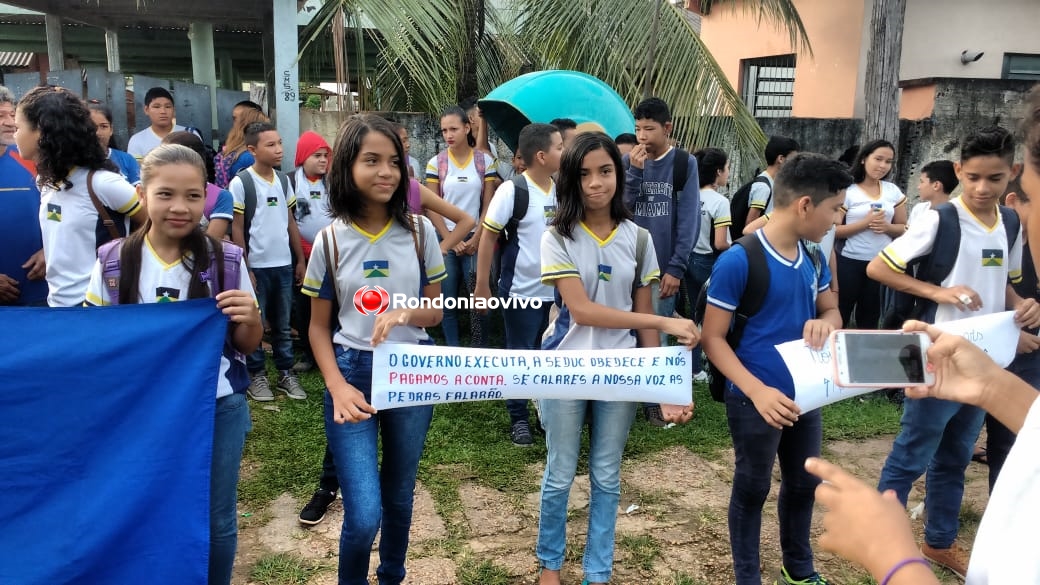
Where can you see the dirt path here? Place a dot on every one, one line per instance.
(678, 530)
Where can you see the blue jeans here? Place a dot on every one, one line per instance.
(230, 426)
(274, 293)
(937, 437)
(379, 497)
(999, 438)
(697, 273)
(608, 433)
(524, 328)
(756, 445)
(461, 271)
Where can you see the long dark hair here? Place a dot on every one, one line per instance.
(68, 137)
(570, 202)
(458, 111)
(859, 169)
(97, 106)
(198, 244)
(345, 200)
(710, 162)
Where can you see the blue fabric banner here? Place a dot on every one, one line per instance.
(106, 430)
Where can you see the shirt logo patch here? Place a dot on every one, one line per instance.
(462, 179)
(272, 202)
(165, 294)
(992, 257)
(376, 268)
(549, 211)
(604, 272)
(53, 212)
(315, 194)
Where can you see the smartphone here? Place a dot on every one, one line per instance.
(880, 359)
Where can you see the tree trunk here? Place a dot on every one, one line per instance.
(881, 88)
(466, 83)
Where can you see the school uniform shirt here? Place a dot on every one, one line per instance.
(607, 269)
(865, 245)
(269, 229)
(794, 285)
(127, 164)
(760, 197)
(143, 142)
(462, 186)
(1005, 546)
(917, 211)
(20, 235)
(714, 214)
(69, 222)
(521, 269)
(223, 209)
(312, 205)
(166, 283)
(984, 262)
(386, 262)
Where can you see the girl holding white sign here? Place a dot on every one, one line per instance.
(601, 264)
(370, 244)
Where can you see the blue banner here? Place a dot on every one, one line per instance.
(106, 430)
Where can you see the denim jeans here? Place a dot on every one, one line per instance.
(230, 426)
(858, 293)
(461, 271)
(756, 445)
(328, 481)
(274, 293)
(697, 274)
(608, 433)
(999, 438)
(937, 437)
(524, 328)
(380, 496)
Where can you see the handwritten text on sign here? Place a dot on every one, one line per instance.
(409, 375)
(813, 372)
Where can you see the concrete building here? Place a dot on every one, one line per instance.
(964, 39)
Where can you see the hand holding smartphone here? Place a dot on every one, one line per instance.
(880, 359)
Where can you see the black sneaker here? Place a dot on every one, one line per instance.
(654, 416)
(521, 434)
(314, 512)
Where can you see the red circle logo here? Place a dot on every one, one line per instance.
(371, 300)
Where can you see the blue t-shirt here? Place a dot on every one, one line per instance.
(789, 303)
(127, 164)
(20, 235)
(244, 160)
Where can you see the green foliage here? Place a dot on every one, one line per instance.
(285, 569)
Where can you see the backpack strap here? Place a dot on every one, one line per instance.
(521, 201)
(642, 239)
(481, 166)
(108, 256)
(288, 185)
(249, 194)
(414, 197)
(419, 240)
(331, 251)
(292, 181)
(442, 168)
(1012, 225)
(103, 215)
(755, 288)
(945, 248)
(680, 174)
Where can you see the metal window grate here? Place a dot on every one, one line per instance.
(767, 85)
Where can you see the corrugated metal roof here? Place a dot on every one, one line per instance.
(15, 59)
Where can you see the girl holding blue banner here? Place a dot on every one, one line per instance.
(374, 244)
(172, 259)
(601, 264)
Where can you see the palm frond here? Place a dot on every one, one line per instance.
(610, 40)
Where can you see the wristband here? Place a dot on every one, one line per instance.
(892, 572)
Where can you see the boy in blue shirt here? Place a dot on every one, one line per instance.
(763, 419)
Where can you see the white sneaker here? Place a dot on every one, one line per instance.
(700, 376)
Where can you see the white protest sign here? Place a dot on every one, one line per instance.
(813, 373)
(410, 375)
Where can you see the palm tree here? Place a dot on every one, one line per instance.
(431, 51)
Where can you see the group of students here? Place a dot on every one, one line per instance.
(591, 212)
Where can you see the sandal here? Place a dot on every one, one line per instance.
(980, 456)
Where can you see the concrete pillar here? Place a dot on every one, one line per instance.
(227, 74)
(55, 48)
(204, 64)
(112, 49)
(284, 94)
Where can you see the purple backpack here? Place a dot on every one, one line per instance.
(230, 278)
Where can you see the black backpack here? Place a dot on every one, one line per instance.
(751, 300)
(507, 238)
(936, 266)
(738, 206)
